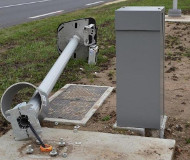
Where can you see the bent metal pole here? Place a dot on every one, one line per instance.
(51, 78)
(24, 113)
(55, 72)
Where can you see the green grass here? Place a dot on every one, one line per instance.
(111, 74)
(187, 53)
(28, 51)
(187, 125)
(171, 41)
(188, 141)
(106, 118)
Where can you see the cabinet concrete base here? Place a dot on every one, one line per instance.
(174, 13)
(142, 131)
(183, 18)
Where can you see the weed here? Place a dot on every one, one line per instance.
(171, 41)
(106, 118)
(188, 141)
(111, 74)
(187, 125)
(187, 53)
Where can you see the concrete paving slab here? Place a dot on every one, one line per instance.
(183, 18)
(92, 146)
(75, 104)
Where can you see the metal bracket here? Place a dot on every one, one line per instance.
(89, 35)
(93, 53)
(17, 115)
(85, 29)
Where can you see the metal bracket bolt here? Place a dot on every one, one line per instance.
(53, 152)
(29, 150)
(64, 155)
(78, 143)
(75, 130)
(61, 142)
(56, 123)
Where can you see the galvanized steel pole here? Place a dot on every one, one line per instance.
(51, 78)
(175, 4)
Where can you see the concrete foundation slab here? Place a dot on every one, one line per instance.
(183, 18)
(140, 131)
(75, 104)
(92, 146)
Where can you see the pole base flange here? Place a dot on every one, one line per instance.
(174, 13)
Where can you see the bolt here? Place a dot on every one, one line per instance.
(61, 142)
(53, 152)
(64, 155)
(75, 130)
(77, 127)
(78, 143)
(29, 150)
(56, 123)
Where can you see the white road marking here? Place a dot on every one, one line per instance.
(89, 4)
(21, 4)
(42, 15)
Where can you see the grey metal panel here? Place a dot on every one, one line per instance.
(140, 56)
(138, 18)
(162, 43)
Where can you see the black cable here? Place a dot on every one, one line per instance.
(36, 135)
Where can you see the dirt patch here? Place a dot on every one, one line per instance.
(4, 126)
(177, 90)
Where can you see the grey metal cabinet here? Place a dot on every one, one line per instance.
(140, 64)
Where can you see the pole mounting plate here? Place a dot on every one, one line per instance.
(77, 27)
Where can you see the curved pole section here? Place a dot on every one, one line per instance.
(51, 78)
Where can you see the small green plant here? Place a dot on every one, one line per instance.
(110, 74)
(171, 40)
(187, 53)
(188, 141)
(91, 80)
(106, 118)
(187, 125)
(169, 54)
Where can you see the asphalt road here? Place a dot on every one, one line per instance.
(14, 12)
